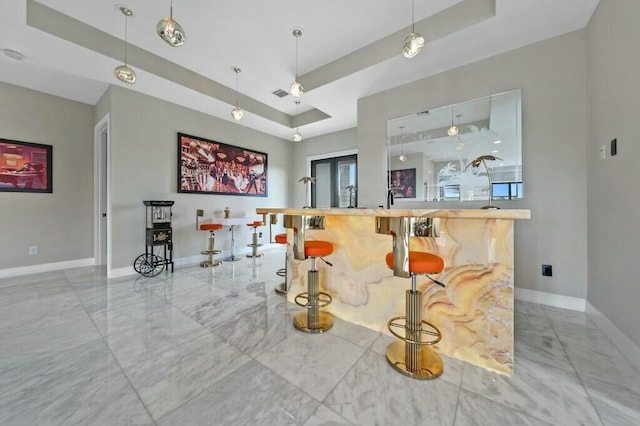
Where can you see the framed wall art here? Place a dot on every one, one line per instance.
(209, 167)
(25, 166)
(403, 183)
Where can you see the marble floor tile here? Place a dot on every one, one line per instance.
(313, 362)
(588, 333)
(604, 363)
(168, 380)
(325, 417)
(554, 395)
(251, 395)
(542, 346)
(373, 393)
(474, 410)
(452, 367)
(616, 405)
(361, 336)
(39, 278)
(260, 328)
(146, 329)
(80, 386)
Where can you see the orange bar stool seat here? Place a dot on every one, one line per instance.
(254, 242)
(411, 355)
(314, 320)
(282, 288)
(210, 251)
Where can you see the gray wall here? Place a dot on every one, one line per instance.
(552, 77)
(143, 167)
(60, 224)
(614, 205)
(343, 140)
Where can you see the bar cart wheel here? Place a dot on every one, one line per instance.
(148, 264)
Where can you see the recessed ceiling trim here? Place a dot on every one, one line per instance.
(448, 21)
(67, 28)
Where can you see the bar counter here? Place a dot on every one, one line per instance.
(474, 311)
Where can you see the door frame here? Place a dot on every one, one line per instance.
(99, 165)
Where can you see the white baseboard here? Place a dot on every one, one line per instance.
(550, 299)
(46, 267)
(625, 345)
(193, 260)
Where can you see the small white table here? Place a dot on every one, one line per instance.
(231, 222)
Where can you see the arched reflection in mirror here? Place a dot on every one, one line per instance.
(427, 164)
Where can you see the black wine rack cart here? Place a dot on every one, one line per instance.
(158, 252)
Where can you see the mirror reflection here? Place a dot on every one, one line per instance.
(467, 151)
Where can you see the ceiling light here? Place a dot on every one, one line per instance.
(414, 42)
(237, 113)
(13, 54)
(170, 31)
(123, 72)
(453, 130)
(297, 136)
(496, 142)
(296, 89)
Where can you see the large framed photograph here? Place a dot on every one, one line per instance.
(403, 183)
(25, 166)
(209, 167)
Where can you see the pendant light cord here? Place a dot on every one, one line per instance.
(413, 18)
(171, 10)
(297, 37)
(126, 19)
(237, 89)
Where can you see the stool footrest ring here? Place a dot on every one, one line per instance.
(282, 272)
(254, 245)
(401, 323)
(210, 252)
(324, 299)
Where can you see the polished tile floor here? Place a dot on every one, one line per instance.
(217, 347)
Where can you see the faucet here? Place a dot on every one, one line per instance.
(389, 198)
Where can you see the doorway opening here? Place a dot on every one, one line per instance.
(102, 224)
(336, 182)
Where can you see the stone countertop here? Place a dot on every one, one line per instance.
(446, 213)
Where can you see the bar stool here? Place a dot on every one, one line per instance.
(314, 320)
(411, 355)
(254, 245)
(282, 272)
(211, 227)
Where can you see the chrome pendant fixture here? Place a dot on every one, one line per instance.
(414, 42)
(237, 113)
(296, 89)
(297, 136)
(170, 31)
(123, 72)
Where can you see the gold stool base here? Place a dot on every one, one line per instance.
(255, 255)
(429, 364)
(207, 264)
(324, 322)
(281, 289)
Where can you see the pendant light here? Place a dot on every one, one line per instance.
(237, 113)
(453, 130)
(297, 136)
(170, 31)
(402, 157)
(123, 72)
(296, 89)
(414, 42)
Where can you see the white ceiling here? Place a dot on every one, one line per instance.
(256, 36)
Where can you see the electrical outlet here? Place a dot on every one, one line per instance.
(33, 250)
(547, 271)
(614, 147)
(603, 152)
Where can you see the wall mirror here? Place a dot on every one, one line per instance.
(467, 151)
